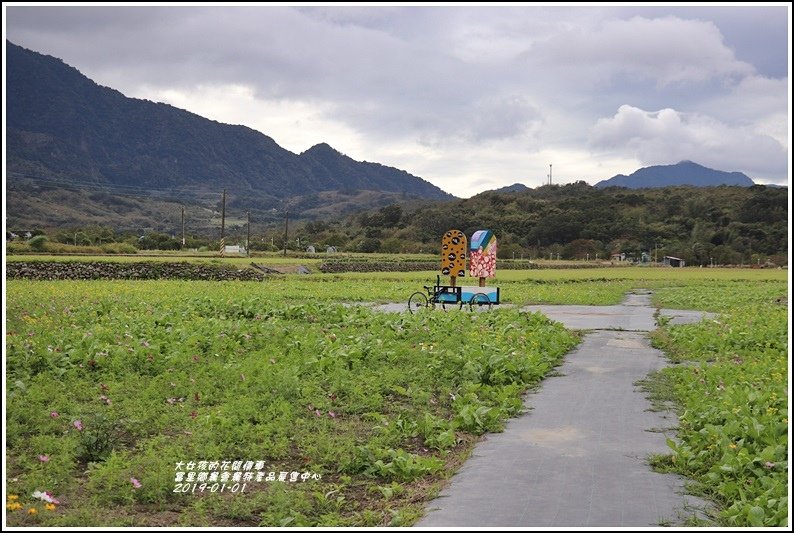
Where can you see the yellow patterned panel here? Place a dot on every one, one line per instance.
(453, 253)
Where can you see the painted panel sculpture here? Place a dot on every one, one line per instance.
(453, 255)
(482, 255)
(453, 264)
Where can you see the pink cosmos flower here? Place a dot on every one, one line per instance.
(331, 414)
(54, 414)
(44, 458)
(79, 425)
(135, 483)
(317, 412)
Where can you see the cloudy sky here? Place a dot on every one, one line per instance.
(469, 98)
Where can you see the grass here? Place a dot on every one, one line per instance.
(115, 381)
(732, 399)
(384, 407)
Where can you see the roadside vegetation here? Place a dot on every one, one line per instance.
(730, 390)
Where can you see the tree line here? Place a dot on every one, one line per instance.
(717, 225)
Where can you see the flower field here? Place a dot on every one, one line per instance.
(732, 398)
(196, 403)
(112, 385)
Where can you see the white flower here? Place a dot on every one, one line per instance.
(45, 497)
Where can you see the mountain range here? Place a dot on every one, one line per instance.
(79, 153)
(63, 129)
(682, 173)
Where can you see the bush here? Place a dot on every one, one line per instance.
(17, 247)
(369, 245)
(38, 243)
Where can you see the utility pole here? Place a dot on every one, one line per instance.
(549, 173)
(286, 231)
(223, 224)
(248, 235)
(183, 226)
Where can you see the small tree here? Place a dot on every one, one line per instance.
(38, 243)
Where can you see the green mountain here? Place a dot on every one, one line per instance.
(725, 224)
(64, 130)
(682, 173)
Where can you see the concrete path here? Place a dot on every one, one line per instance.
(579, 458)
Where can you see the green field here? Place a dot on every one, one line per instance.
(376, 409)
(731, 394)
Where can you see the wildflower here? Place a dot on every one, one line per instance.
(13, 497)
(769, 464)
(171, 400)
(78, 425)
(317, 412)
(32, 511)
(135, 483)
(105, 399)
(331, 414)
(193, 414)
(731, 446)
(44, 458)
(54, 414)
(13, 506)
(50, 506)
(45, 497)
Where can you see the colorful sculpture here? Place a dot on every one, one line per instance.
(453, 255)
(482, 255)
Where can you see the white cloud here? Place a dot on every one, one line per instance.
(667, 136)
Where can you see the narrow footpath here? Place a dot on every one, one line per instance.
(578, 456)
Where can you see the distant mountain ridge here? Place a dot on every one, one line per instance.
(681, 173)
(516, 187)
(62, 125)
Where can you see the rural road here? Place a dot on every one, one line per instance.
(579, 457)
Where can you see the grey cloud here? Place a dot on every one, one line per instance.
(668, 50)
(443, 77)
(666, 136)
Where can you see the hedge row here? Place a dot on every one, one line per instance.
(77, 270)
(336, 267)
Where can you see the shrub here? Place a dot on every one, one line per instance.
(38, 243)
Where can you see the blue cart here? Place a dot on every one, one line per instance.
(458, 295)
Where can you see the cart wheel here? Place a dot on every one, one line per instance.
(417, 301)
(480, 299)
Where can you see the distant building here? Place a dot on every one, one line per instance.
(617, 256)
(310, 250)
(24, 234)
(669, 260)
(235, 249)
(330, 250)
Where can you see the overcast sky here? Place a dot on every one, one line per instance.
(468, 98)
